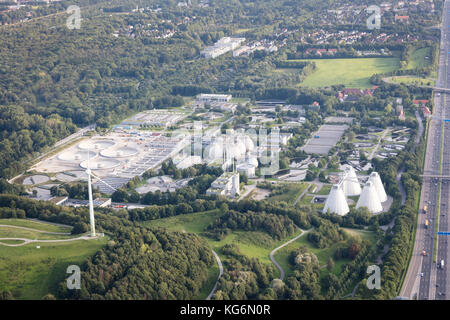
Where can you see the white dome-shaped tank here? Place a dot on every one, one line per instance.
(350, 184)
(77, 155)
(249, 144)
(376, 180)
(121, 152)
(247, 169)
(239, 149)
(214, 151)
(336, 202)
(369, 199)
(96, 144)
(98, 164)
(253, 161)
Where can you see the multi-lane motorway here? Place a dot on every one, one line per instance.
(425, 280)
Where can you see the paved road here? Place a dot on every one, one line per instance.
(424, 280)
(276, 249)
(28, 241)
(218, 278)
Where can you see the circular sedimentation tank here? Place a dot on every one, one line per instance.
(121, 152)
(36, 179)
(79, 155)
(100, 164)
(96, 144)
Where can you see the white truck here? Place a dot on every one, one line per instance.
(442, 264)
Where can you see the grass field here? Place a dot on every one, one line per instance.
(294, 190)
(352, 73)
(35, 225)
(29, 272)
(253, 244)
(420, 58)
(11, 232)
(411, 80)
(282, 256)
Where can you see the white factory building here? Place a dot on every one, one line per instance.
(209, 97)
(227, 185)
(222, 46)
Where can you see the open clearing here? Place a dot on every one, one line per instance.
(282, 256)
(33, 224)
(352, 73)
(27, 271)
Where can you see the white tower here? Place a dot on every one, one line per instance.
(235, 189)
(369, 199)
(336, 202)
(91, 202)
(376, 180)
(350, 183)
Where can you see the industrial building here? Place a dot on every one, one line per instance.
(208, 98)
(227, 185)
(222, 46)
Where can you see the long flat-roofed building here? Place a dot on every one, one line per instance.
(206, 97)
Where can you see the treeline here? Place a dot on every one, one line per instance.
(243, 278)
(139, 264)
(300, 215)
(157, 264)
(325, 233)
(276, 226)
(12, 206)
(23, 135)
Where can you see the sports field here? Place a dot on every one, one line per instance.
(352, 73)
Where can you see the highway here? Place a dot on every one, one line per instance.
(424, 280)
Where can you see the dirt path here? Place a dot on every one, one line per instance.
(272, 258)
(218, 278)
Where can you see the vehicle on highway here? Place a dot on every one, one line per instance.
(425, 208)
(426, 223)
(441, 264)
(424, 253)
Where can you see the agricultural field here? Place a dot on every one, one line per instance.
(33, 270)
(352, 73)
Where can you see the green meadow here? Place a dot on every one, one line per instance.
(352, 73)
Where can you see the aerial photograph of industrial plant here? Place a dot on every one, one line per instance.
(224, 158)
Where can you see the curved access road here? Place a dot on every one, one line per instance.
(278, 248)
(27, 241)
(218, 278)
